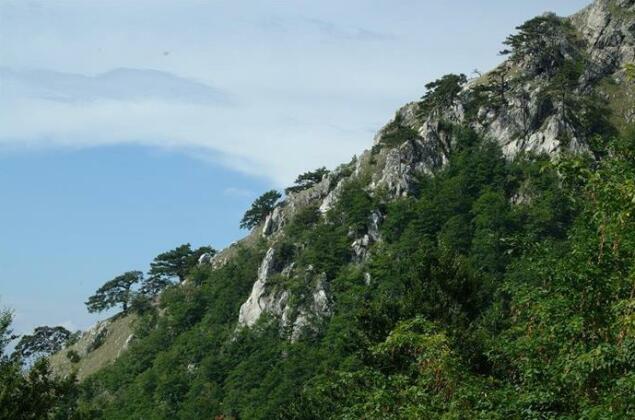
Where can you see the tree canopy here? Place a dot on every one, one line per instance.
(44, 341)
(175, 263)
(442, 92)
(153, 285)
(34, 394)
(307, 180)
(259, 209)
(6, 334)
(541, 41)
(117, 291)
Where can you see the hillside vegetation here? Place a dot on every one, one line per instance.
(477, 262)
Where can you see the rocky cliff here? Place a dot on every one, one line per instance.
(553, 94)
(476, 262)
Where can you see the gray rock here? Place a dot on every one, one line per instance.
(258, 301)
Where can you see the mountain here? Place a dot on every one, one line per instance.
(476, 262)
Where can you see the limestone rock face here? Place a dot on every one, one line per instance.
(258, 300)
(361, 246)
(527, 118)
(609, 32)
(205, 258)
(319, 307)
(525, 123)
(266, 298)
(330, 199)
(274, 222)
(403, 163)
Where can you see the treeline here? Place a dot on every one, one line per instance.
(501, 289)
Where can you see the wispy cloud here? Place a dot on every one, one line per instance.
(123, 84)
(333, 30)
(52, 109)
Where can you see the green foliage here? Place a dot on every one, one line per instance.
(6, 335)
(503, 289)
(114, 292)
(44, 341)
(629, 69)
(541, 41)
(175, 263)
(34, 394)
(442, 92)
(260, 209)
(302, 221)
(499, 289)
(396, 133)
(152, 286)
(73, 356)
(307, 180)
(492, 92)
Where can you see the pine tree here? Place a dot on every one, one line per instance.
(260, 209)
(114, 292)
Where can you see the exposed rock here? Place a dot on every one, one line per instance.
(331, 197)
(320, 307)
(126, 344)
(258, 300)
(373, 225)
(274, 221)
(400, 165)
(528, 118)
(360, 246)
(218, 260)
(274, 301)
(367, 278)
(286, 272)
(191, 368)
(95, 337)
(206, 258)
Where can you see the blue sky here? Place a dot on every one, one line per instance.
(130, 127)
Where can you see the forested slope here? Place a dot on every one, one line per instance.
(477, 262)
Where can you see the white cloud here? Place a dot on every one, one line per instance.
(269, 88)
(250, 139)
(120, 84)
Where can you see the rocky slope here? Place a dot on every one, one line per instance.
(530, 103)
(96, 348)
(476, 262)
(525, 104)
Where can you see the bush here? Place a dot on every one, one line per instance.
(73, 356)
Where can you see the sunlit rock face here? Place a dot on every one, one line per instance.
(522, 121)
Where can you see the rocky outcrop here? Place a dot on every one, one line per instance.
(274, 221)
(259, 300)
(266, 298)
(308, 316)
(361, 246)
(525, 117)
(96, 347)
(322, 194)
(402, 164)
(526, 121)
(205, 258)
(608, 27)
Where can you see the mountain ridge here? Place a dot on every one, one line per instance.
(442, 272)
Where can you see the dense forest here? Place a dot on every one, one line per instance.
(498, 286)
